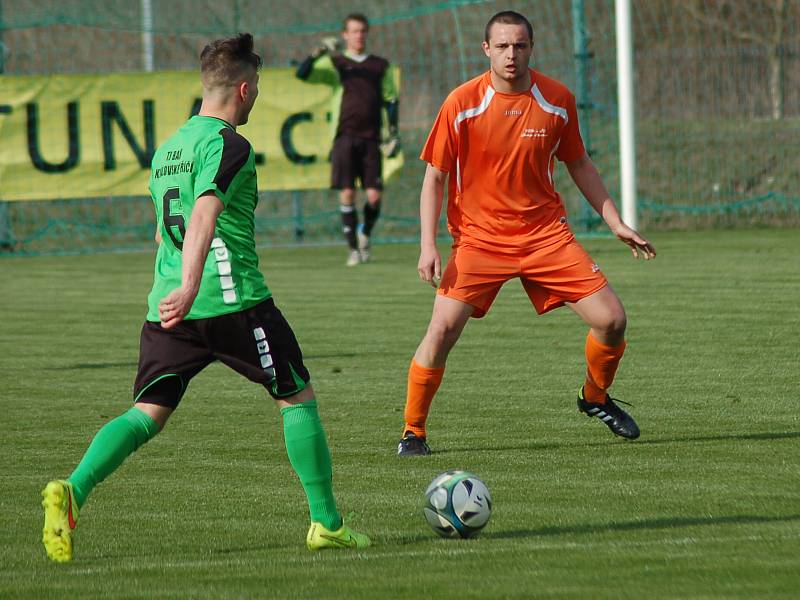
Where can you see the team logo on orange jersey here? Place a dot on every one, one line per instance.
(534, 133)
(513, 112)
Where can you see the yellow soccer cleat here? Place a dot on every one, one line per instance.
(319, 538)
(60, 516)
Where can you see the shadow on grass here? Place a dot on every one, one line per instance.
(114, 365)
(665, 523)
(555, 531)
(542, 532)
(109, 365)
(763, 436)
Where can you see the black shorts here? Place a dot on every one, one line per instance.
(257, 343)
(355, 157)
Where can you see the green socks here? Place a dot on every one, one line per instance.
(308, 452)
(306, 446)
(115, 441)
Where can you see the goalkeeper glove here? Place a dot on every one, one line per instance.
(326, 45)
(391, 146)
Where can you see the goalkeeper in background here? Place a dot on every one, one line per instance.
(364, 86)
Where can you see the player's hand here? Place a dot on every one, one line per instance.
(392, 146)
(635, 241)
(326, 45)
(430, 266)
(175, 306)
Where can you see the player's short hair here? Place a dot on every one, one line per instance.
(508, 17)
(226, 62)
(355, 17)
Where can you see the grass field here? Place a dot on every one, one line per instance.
(705, 505)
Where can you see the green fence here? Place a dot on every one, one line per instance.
(717, 100)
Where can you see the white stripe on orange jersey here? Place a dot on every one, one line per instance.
(546, 106)
(468, 114)
(475, 110)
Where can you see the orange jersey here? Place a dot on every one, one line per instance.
(499, 150)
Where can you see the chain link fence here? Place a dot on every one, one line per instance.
(717, 100)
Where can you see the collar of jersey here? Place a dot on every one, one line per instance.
(217, 119)
(511, 94)
(359, 58)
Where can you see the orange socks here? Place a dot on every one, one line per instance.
(422, 385)
(601, 362)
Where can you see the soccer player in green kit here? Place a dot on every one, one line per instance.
(209, 302)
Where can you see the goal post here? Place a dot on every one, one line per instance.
(627, 116)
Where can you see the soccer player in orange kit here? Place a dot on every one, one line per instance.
(495, 142)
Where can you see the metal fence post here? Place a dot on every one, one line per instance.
(297, 215)
(583, 58)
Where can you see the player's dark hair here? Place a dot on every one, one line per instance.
(508, 17)
(355, 17)
(227, 61)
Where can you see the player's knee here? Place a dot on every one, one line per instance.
(159, 414)
(619, 323)
(347, 196)
(160, 399)
(442, 336)
(301, 397)
(613, 326)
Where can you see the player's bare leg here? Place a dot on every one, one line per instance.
(425, 374)
(448, 320)
(604, 314)
(349, 224)
(605, 344)
(159, 414)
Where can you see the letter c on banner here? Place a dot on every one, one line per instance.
(286, 139)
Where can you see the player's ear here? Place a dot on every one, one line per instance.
(244, 90)
(485, 46)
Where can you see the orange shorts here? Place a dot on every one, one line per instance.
(551, 276)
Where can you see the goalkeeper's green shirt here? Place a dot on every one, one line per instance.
(207, 155)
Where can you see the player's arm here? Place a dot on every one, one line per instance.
(157, 234)
(176, 305)
(586, 177)
(430, 207)
(393, 115)
(317, 67)
(391, 103)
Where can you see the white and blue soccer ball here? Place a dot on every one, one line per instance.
(457, 504)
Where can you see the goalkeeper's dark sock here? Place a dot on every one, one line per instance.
(371, 214)
(115, 441)
(308, 452)
(349, 224)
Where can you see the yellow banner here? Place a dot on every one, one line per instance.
(79, 136)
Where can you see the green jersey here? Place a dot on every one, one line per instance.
(207, 155)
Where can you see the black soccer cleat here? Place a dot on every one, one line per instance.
(411, 445)
(618, 421)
